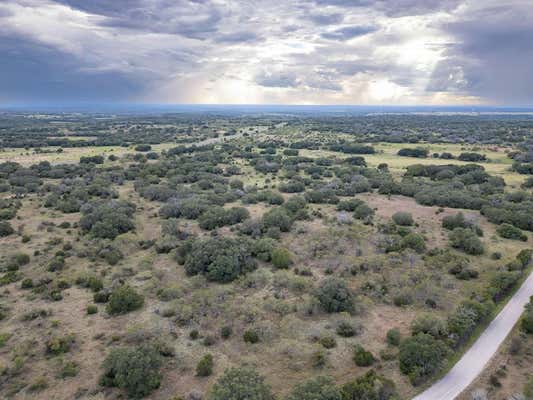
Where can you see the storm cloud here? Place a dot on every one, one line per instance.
(237, 51)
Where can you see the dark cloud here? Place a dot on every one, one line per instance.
(491, 56)
(197, 19)
(349, 32)
(31, 71)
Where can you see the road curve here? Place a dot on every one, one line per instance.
(475, 359)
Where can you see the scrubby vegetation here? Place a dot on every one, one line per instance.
(343, 257)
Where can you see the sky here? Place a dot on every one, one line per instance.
(358, 52)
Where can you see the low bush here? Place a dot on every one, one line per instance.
(135, 370)
(123, 300)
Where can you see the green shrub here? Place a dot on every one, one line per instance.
(346, 329)
(240, 384)
(319, 388)
(250, 336)
(394, 337)
(123, 300)
(328, 342)
(281, 258)
(370, 386)
(26, 283)
(421, 356)
(92, 309)
(134, 369)
(362, 357)
(226, 332)
(59, 344)
(403, 218)
(334, 296)
(466, 240)
(508, 231)
(277, 218)
(220, 259)
(413, 241)
(6, 229)
(527, 318)
(205, 366)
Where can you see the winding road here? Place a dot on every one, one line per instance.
(475, 359)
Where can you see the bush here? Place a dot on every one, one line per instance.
(107, 220)
(277, 218)
(240, 384)
(370, 386)
(123, 300)
(394, 337)
(92, 309)
(328, 342)
(281, 258)
(345, 329)
(421, 356)
(403, 218)
(363, 212)
(466, 240)
(413, 241)
(319, 388)
(226, 331)
(219, 259)
(250, 336)
(334, 296)
(134, 369)
(527, 319)
(205, 366)
(508, 231)
(362, 357)
(59, 345)
(429, 324)
(6, 229)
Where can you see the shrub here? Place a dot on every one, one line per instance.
(362, 357)
(334, 296)
(123, 300)
(508, 231)
(421, 356)
(345, 329)
(226, 331)
(134, 369)
(429, 324)
(394, 337)
(26, 283)
(205, 366)
(328, 342)
(413, 241)
(240, 384)
(6, 229)
(219, 259)
(107, 220)
(277, 218)
(59, 345)
(363, 212)
(319, 388)
(403, 218)
(281, 258)
(250, 336)
(370, 386)
(466, 240)
(527, 319)
(92, 309)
